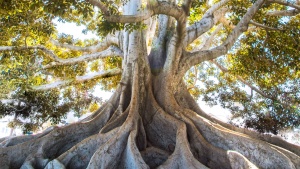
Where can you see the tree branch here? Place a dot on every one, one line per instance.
(111, 51)
(142, 15)
(209, 41)
(264, 26)
(286, 3)
(209, 19)
(42, 48)
(224, 21)
(79, 79)
(108, 41)
(187, 6)
(182, 22)
(100, 5)
(215, 7)
(201, 56)
(291, 12)
(154, 8)
(183, 37)
(177, 41)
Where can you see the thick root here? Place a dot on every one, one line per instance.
(36, 151)
(205, 152)
(106, 155)
(145, 135)
(115, 122)
(55, 164)
(79, 155)
(238, 161)
(185, 100)
(12, 141)
(252, 149)
(182, 157)
(132, 158)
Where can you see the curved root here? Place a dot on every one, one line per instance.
(238, 161)
(145, 135)
(79, 155)
(185, 100)
(12, 141)
(36, 151)
(132, 158)
(252, 149)
(182, 157)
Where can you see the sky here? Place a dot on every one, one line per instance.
(73, 29)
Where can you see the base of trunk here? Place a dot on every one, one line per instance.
(148, 134)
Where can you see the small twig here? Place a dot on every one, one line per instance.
(264, 26)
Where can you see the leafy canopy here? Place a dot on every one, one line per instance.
(263, 60)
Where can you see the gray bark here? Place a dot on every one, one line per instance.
(152, 121)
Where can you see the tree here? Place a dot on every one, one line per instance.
(151, 120)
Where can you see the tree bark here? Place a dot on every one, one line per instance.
(151, 121)
(159, 126)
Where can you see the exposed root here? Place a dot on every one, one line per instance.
(205, 152)
(185, 100)
(270, 138)
(131, 157)
(37, 160)
(106, 154)
(141, 138)
(145, 135)
(182, 157)
(159, 126)
(37, 151)
(12, 141)
(202, 150)
(55, 164)
(3, 139)
(252, 149)
(238, 161)
(115, 122)
(293, 157)
(79, 155)
(227, 139)
(111, 105)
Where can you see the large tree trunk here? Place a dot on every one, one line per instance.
(151, 121)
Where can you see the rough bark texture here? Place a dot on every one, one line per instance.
(152, 121)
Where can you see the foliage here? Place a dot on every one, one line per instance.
(33, 108)
(262, 60)
(31, 23)
(111, 82)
